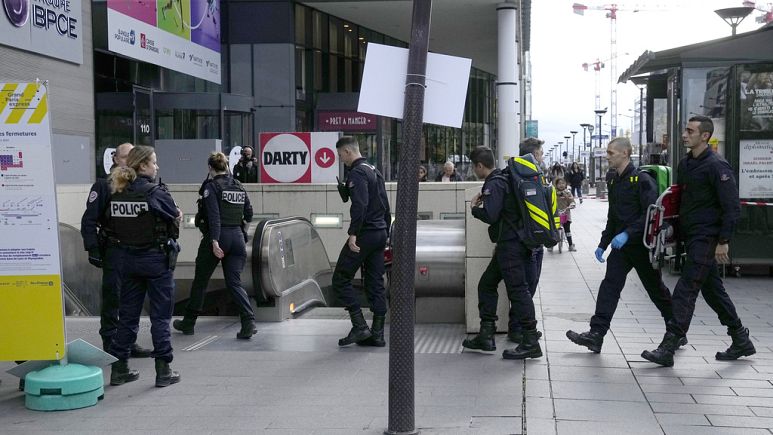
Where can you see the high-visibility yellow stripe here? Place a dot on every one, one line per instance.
(534, 209)
(40, 111)
(539, 220)
(23, 104)
(5, 94)
(554, 199)
(526, 163)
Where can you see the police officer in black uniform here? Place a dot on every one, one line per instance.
(104, 255)
(708, 212)
(246, 169)
(144, 225)
(368, 232)
(495, 205)
(630, 193)
(226, 207)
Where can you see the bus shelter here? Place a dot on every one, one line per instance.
(729, 80)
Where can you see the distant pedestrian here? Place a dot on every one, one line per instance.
(575, 177)
(449, 173)
(565, 205)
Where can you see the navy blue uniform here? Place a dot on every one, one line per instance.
(93, 227)
(708, 213)
(227, 231)
(630, 193)
(144, 265)
(512, 260)
(370, 219)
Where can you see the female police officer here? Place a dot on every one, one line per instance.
(227, 206)
(144, 221)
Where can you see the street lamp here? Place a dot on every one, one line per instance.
(734, 16)
(574, 147)
(599, 113)
(585, 128)
(567, 146)
(641, 83)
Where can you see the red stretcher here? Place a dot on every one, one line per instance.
(661, 225)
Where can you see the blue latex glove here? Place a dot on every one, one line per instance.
(600, 255)
(619, 240)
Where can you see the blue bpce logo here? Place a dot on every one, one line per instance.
(132, 37)
(17, 11)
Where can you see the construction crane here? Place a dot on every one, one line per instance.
(765, 18)
(597, 65)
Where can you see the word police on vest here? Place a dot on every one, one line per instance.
(285, 157)
(128, 209)
(234, 197)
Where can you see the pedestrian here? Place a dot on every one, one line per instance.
(246, 169)
(708, 213)
(509, 262)
(630, 194)
(449, 173)
(566, 204)
(104, 255)
(575, 177)
(364, 247)
(144, 223)
(422, 173)
(557, 171)
(226, 210)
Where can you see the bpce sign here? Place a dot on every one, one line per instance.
(54, 29)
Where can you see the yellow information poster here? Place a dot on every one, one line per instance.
(31, 307)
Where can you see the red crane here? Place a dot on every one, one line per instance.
(765, 18)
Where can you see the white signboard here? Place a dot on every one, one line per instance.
(52, 28)
(384, 82)
(183, 35)
(298, 157)
(584, 154)
(599, 152)
(755, 169)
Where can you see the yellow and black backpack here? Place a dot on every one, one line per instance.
(536, 202)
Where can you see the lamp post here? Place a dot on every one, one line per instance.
(590, 156)
(574, 147)
(734, 16)
(567, 146)
(599, 113)
(558, 147)
(585, 128)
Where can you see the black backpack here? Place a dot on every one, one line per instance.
(535, 201)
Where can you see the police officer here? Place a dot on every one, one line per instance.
(630, 194)
(103, 255)
(708, 212)
(246, 169)
(368, 232)
(495, 206)
(144, 224)
(227, 207)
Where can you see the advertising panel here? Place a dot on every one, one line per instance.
(755, 169)
(532, 128)
(182, 35)
(349, 122)
(52, 27)
(757, 101)
(31, 308)
(298, 157)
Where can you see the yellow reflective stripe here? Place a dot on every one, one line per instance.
(526, 163)
(534, 209)
(554, 199)
(40, 111)
(5, 94)
(23, 104)
(539, 220)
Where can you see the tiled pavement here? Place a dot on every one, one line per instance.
(292, 379)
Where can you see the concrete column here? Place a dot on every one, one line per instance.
(508, 93)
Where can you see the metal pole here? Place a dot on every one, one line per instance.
(641, 121)
(402, 409)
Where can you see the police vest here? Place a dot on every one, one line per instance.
(131, 220)
(231, 198)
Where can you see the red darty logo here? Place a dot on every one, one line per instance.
(286, 158)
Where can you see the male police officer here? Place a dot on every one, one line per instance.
(368, 232)
(630, 193)
(495, 206)
(708, 212)
(104, 255)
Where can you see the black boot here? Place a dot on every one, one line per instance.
(165, 376)
(376, 333)
(248, 329)
(664, 354)
(186, 324)
(138, 351)
(120, 373)
(591, 339)
(742, 345)
(528, 348)
(517, 336)
(484, 341)
(359, 332)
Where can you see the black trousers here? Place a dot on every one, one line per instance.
(108, 313)
(232, 243)
(371, 259)
(510, 262)
(619, 263)
(533, 272)
(700, 275)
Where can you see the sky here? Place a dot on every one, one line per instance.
(563, 94)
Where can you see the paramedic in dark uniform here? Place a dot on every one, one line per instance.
(103, 255)
(144, 222)
(494, 206)
(630, 194)
(708, 212)
(227, 208)
(368, 232)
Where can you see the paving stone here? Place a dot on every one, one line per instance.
(599, 410)
(668, 398)
(737, 421)
(708, 430)
(571, 427)
(697, 408)
(597, 391)
(685, 419)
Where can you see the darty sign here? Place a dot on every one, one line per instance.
(298, 157)
(346, 121)
(49, 27)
